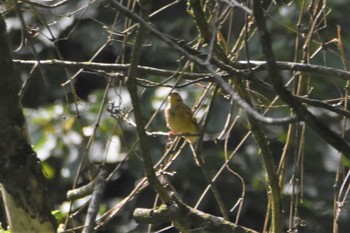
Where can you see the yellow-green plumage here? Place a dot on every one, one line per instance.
(179, 117)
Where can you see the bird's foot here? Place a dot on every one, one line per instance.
(170, 134)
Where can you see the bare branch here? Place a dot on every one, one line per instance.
(331, 137)
(241, 68)
(99, 187)
(196, 220)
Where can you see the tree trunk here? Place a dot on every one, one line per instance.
(22, 181)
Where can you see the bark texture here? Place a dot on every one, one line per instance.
(21, 177)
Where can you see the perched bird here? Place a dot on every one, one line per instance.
(179, 117)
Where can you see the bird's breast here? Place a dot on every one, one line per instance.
(180, 121)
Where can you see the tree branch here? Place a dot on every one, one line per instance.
(99, 188)
(139, 118)
(241, 66)
(301, 111)
(196, 221)
(240, 95)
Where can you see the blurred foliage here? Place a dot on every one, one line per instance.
(65, 127)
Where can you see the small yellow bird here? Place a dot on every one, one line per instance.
(179, 117)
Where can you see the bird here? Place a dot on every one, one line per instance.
(179, 118)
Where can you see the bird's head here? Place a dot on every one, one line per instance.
(174, 98)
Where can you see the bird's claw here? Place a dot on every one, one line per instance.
(170, 135)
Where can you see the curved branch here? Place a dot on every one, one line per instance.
(139, 119)
(301, 111)
(240, 95)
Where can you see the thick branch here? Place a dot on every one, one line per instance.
(195, 220)
(99, 188)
